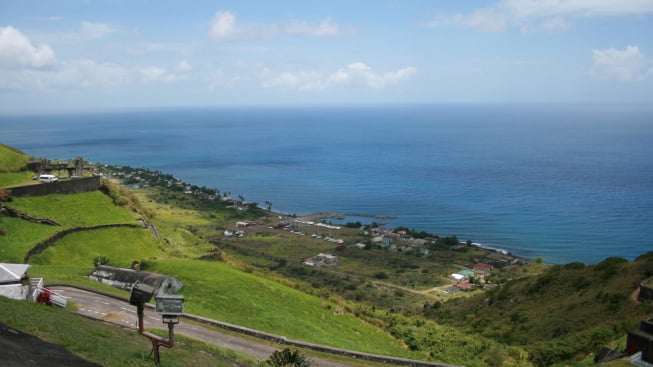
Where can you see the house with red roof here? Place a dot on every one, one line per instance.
(483, 267)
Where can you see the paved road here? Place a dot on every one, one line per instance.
(122, 313)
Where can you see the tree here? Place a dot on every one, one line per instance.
(288, 358)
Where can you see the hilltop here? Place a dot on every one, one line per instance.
(354, 285)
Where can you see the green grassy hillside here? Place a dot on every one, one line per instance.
(12, 165)
(568, 311)
(375, 300)
(12, 160)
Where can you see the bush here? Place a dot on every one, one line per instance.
(381, 275)
(288, 358)
(101, 260)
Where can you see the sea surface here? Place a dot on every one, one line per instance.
(564, 182)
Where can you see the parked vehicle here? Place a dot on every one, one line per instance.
(48, 178)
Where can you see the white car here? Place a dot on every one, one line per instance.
(48, 178)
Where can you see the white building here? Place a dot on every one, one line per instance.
(14, 281)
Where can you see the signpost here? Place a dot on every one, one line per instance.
(169, 306)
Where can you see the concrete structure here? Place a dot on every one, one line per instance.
(14, 281)
(41, 166)
(125, 279)
(642, 341)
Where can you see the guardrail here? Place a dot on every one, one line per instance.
(283, 340)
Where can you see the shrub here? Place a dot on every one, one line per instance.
(101, 260)
(288, 358)
(381, 275)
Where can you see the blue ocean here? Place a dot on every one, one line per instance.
(564, 182)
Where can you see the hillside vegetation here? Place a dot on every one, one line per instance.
(12, 165)
(376, 299)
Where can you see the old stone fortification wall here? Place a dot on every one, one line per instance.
(125, 279)
(74, 186)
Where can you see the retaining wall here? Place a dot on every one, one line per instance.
(73, 186)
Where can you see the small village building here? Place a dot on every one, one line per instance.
(321, 259)
(14, 281)
(241, 224)
(458, 277)
(483, 267)
(465, 286)
(466, 272)
(452, 289)
(359, 245)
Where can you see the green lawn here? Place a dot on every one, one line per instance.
(79, 210)
(216, 290)
(121, 245)
(16, 178)
(20, 236)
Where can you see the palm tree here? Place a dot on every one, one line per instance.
(288, 358)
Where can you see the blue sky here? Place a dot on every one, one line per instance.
(103, 55)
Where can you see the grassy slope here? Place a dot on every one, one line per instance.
(121, 245)
(106, 344)
(12, 162)
(80, 210)
(215, 289)
(278, 306)
(560, 308)
(526, 312)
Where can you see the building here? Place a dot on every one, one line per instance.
(14, 281)
(483, 267)
(642, 341)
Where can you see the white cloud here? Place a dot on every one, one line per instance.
(539, 15)
(157, 74)
(95, 30)
(76, 74)
(183, 66)
(17, 51)
(223, 26)
(354, 74)
(151, 74)
(625, 65)
(326, 28)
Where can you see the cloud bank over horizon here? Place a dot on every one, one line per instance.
(558, 51)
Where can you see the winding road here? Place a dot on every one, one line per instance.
(119, 312)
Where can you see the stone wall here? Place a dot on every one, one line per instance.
(74, 186)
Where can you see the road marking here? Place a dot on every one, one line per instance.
(128, 309)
